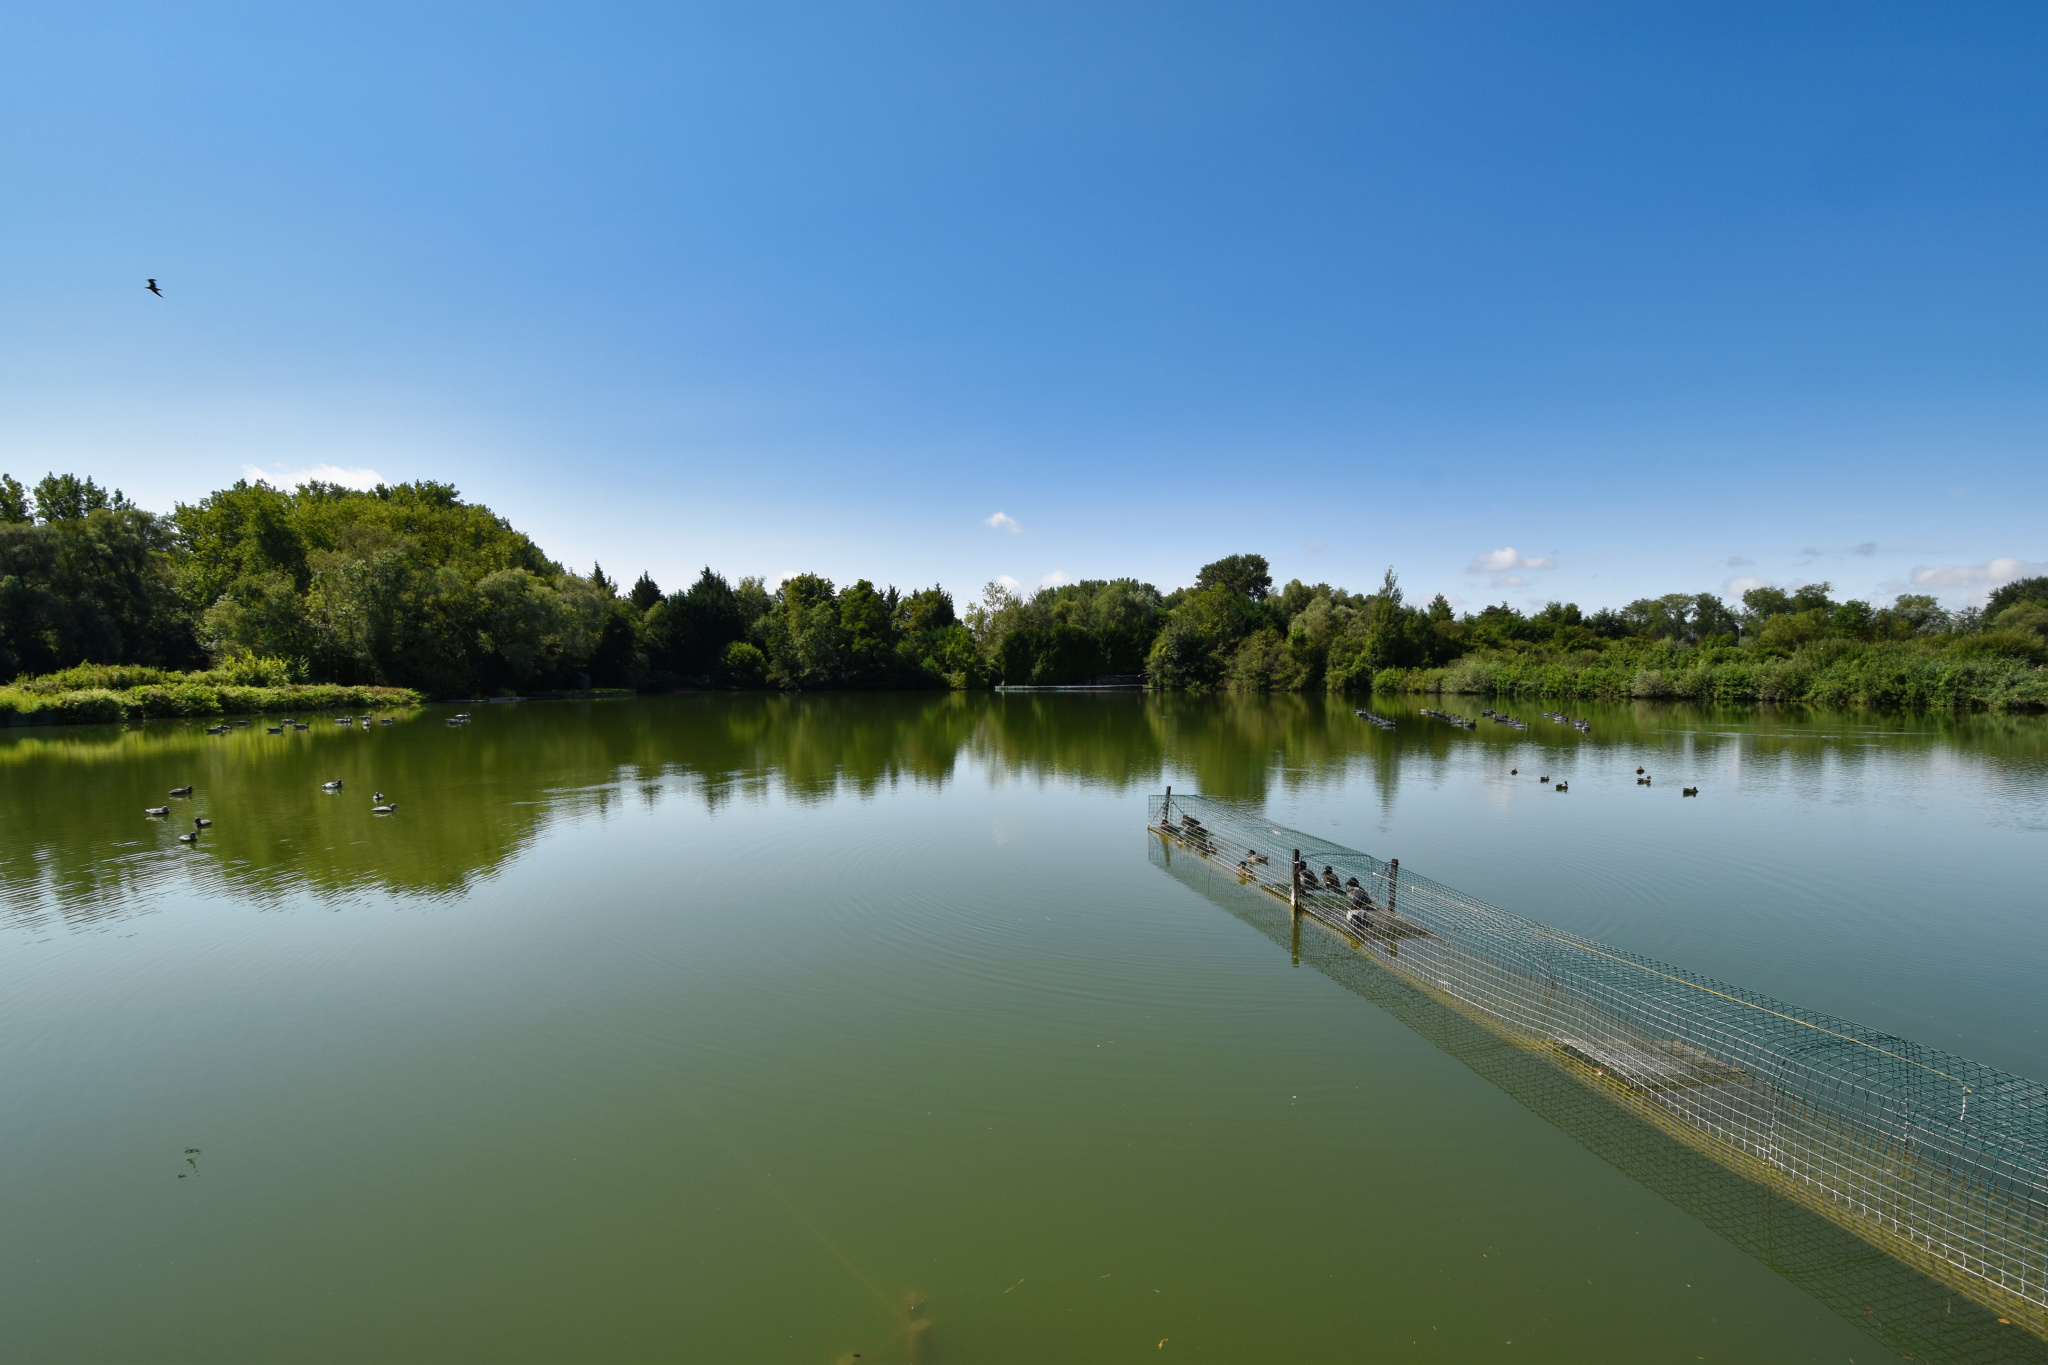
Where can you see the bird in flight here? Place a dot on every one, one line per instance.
(151, 286)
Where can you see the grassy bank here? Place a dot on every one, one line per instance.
(99, 694)
(1904, 674)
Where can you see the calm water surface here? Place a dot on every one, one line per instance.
(715, 1028)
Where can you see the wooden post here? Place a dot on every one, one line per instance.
(1294, 884)
(1166, 812)
(1393, 876)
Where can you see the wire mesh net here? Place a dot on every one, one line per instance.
(1934, 1159)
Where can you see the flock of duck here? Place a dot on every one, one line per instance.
(380, 804)
(1642, 780)
(1305, 881)
(1584, 727)
(291, 723)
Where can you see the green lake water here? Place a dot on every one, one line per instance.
(722, 1028)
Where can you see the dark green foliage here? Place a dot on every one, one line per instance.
(1246, 576)
(98, 588)
(2012, 594)
(646, 592)
(13, 501)
(616, 661)
(686, 633)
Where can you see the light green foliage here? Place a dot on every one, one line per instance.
(66, 497)
(2029, 618)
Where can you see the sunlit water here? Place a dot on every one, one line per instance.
(716, 1028)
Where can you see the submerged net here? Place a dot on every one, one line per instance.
(1939, 1161)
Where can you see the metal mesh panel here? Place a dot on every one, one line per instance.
(1935, 1159)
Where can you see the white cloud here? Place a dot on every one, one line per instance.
(364, 479)
(1503, 562)
(1054, 579)
(1002, 521)
(1735, 587)
(1978, 579)
(1012, 584)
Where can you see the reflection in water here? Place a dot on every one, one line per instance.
(1902, 1308)
(77, 847)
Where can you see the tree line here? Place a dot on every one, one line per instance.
(408, 585)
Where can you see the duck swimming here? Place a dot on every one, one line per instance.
(156, 810)
(188, 838)
(200, 822)
(334, 786)
(384, 810)
(181, 791)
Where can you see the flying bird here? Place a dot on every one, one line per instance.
(151, 286)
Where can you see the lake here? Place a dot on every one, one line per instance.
(787, 1028)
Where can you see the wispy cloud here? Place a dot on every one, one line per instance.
(1738, 562)
(364, 479)
(1002, 521)
(1735, 587)
(1503, 562)
(1978, 579)
(1054, 579)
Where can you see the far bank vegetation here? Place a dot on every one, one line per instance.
(256, 599)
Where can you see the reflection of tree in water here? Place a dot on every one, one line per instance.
(73, 843)
(1905, 1310)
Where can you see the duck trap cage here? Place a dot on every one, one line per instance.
(1940, 1162)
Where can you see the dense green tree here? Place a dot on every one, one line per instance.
(2021, 590)
(66, 497)
(98, 588)
(14, 509)
(686, 633)
(646, 592)
(1247, 576)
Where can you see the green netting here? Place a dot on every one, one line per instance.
(1935, 1159)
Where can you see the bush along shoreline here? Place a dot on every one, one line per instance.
(106, 694)
(1882, 676)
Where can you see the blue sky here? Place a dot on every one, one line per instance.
(1526, 301)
